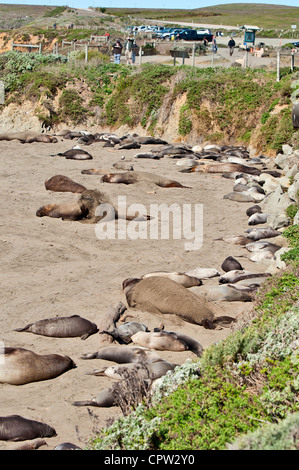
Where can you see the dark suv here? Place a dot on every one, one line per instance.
(193, 35)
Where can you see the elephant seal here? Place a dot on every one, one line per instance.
(258, 218)
(28, 137)
(203, 273)
(253, 210)
(230, 263)
(62, 327)
(67, 446)
(123, 333)
(106, 399)
(260, 233)
(62, 183)
(261, 245)
(223, 168)
(70, 211)
(132, 177)
(162, 295)
(86, 209)
(74, 154)
(222, 293)
(239, 197)
(123, 354)
(20, 366)
(167, 341)
(16, 428)
(235, 239)
(144, 370)
(234, 276)
(181, 278)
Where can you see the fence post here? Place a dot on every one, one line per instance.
(278, 66)
(140, 55)
(193, 54)
(292, 61)
(86, 52)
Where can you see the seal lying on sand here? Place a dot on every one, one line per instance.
(123, 333)
(74, 154)
(181, 278)
(62, 183)
(85, 209)
(16, 428)
(28, 137)
(123, 354)
(62, 327)
(223, 168)
(19, 366)
(167, 341)
(162, 295)
(132, 177)
(230, 263)
(222, 293)
(144, 370)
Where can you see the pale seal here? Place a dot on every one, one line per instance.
(167, 341)
(19, 366)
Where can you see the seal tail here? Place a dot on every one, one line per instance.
(25, 328)
(84, 403)
(97, 372)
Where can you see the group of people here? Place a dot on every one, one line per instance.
(130, 48)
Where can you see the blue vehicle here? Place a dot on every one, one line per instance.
(192, 35)
(295, 44)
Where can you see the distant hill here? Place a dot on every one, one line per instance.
(236, 14)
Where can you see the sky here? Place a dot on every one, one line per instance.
(188, 4)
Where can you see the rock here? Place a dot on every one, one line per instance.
(278, 221)
(276, 202)
(287, 149)
(281, 160)
(293, 191)
(296, 218)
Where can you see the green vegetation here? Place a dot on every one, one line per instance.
(55, 12)
(242, 104)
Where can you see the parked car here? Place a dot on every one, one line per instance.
(206, 33)
(169, 34)
(295, 44)
(193, 35)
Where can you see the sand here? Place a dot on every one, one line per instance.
(51, 267)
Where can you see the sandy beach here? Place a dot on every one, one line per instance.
(51, 267)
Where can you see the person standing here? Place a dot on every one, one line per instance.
(231, 45)
(117, 48)
(214, 45)
(129, 46)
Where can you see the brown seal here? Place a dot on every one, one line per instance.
(62, 327)
(16, 428)
(230, 263)
(19, 366)
(123, 354)
(85, 209)
(131, 177)
(223, 168)
(162, 295)
(61, 183)
(28, 137)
